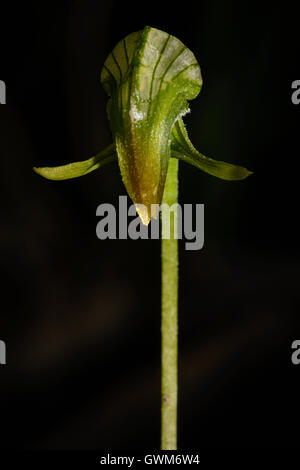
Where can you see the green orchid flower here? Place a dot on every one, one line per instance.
(149, 78)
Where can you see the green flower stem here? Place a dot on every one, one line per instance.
(169, 320)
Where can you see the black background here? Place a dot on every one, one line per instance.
(81, 317)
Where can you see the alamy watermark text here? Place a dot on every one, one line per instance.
(188, 222)
(2, 92)
(2, 352)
